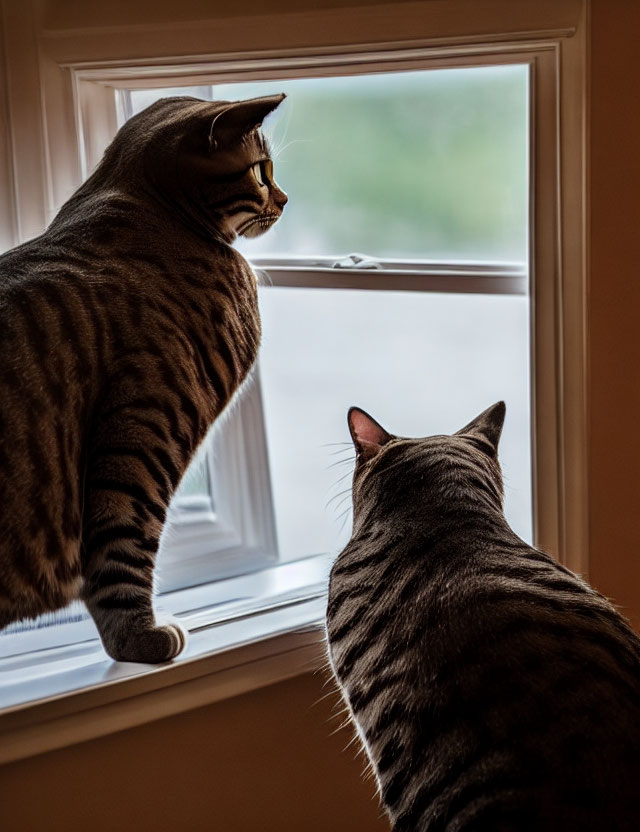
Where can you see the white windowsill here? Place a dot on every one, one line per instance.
(269, 631)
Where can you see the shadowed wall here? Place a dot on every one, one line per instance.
(270, 761)
(614, 304)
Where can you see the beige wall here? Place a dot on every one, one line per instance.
(71, 14)
(268, 760)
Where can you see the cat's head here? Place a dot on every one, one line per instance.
(206, 161)
(394, 475)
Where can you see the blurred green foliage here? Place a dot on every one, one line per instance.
(429, 164)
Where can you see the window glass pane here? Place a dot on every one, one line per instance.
(196, 479)
(429, 164)
(418, 363)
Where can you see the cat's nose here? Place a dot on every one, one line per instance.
(280, 198)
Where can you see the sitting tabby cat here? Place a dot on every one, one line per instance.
(493, 689)
(126, 329)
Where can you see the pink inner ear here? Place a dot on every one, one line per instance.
(366, 430)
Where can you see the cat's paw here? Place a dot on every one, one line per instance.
(152, 646)
(178, 635)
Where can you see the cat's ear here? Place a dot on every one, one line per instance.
(368, 436)
(240, 118)
(486, 428)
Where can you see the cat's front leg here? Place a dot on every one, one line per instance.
(135, 462)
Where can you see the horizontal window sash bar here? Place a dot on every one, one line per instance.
(441, 278)
(357, 260)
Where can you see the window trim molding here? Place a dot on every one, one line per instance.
(44, 106)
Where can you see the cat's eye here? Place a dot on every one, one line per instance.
(263, 172)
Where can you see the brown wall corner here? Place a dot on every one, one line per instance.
(614, 303)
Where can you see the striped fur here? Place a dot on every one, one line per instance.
(493, 689)
(126, 329)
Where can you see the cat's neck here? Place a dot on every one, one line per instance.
(470, 523)
(96, 203)
(95, 209)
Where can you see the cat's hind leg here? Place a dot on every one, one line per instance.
(130, 478)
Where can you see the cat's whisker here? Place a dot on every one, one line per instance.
(280, 150)
(336, 496)
(281, 126)
(342, 478)
(342, 454)
(343, 524)
(342, 502)
(340, 462)
(345, 515)
(337, 483)
(346, 448)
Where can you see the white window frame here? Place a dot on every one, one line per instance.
(70, 117)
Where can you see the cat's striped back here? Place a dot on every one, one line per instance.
(493, 689)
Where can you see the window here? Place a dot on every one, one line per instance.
(457, 249)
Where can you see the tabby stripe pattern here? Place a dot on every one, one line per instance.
(127, 327)
(489, 683)
(127, 485)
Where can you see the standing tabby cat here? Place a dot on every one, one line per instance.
(493, 689)
(126, 329)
